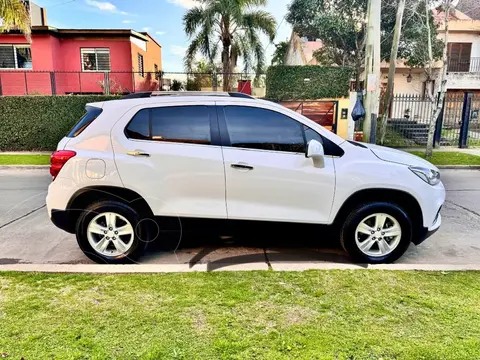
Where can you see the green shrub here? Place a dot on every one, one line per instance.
(39, 122)
(288, 82)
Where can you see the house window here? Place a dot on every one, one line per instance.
(95, 59)
(15, 57)
(140, 65)
(155, 68)
(459, 57)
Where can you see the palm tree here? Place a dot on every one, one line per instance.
(281, 50)
(237, 25)
(14, 16)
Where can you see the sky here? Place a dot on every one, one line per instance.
(160, 18)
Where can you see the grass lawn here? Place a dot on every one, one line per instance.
(24, 159)
(450, 158)
(453, 135)
(242, 315)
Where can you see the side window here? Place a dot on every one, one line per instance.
(311, 134)
(183, 124)
(139, 126)
(329, 147)
(255, 128)
(87, 119)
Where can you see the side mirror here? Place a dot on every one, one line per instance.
(316, 153)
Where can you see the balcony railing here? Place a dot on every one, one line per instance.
(471, 65)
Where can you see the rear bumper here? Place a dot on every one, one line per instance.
(61, 219)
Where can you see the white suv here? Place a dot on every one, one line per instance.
(129, 164)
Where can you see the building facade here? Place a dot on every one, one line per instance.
(72, 61)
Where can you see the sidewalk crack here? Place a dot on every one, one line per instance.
(23, 216)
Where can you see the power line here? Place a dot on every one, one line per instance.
(276, 30)
(60, 4)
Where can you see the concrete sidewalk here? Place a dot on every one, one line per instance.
(170, 268)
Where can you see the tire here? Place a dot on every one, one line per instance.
(355, 233)
(132, 244)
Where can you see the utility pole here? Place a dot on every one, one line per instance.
(372, 70)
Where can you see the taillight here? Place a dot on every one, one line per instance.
(58, 159)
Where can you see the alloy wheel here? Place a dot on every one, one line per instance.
(110, 234)
(378, 235)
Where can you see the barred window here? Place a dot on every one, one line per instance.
(15, 57)
(140, 65)
(95, 59)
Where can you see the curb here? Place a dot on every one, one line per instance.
(183, 268)
(24, 167)
(459, 167)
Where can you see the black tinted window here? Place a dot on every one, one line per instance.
(87, 119)
(329, 147)
(255, 128)
(139, 127)
(186, 124)
(311, 134)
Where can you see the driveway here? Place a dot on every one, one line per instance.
(27, 235)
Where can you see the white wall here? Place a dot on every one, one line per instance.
(463, 81)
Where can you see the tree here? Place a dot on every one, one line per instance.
(442, 84)
(176, 85)
(15, 16)
(341, 26)
(280, 53)
(237, 25)
(203, 75)
(391, 72)
(421, 50)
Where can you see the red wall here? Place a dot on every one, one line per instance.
(63, 56)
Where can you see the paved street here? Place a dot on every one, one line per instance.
(27, 236)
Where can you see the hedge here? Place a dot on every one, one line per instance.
(288, 82)
(30, 123)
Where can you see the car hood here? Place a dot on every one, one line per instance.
(398, 156)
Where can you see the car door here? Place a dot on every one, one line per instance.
(171, 156)
(268, 176)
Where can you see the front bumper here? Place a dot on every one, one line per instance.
(425, 233)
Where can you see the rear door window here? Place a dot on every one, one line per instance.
(87, 119)
(181, 124)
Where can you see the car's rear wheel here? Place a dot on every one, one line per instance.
(111, 232)
(376, 232)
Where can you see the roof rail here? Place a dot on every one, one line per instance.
(146, 94)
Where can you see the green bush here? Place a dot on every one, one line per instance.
(288, 82)
(38, 122)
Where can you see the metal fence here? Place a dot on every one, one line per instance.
(457, 125)
(26, 82)
(471, 65)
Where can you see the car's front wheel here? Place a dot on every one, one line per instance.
(376, 232)
(111, 232)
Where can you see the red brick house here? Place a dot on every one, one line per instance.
(66, 61)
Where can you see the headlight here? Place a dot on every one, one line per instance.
(430, 176)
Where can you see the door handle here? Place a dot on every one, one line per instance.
(242, 166)
(137, 153)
